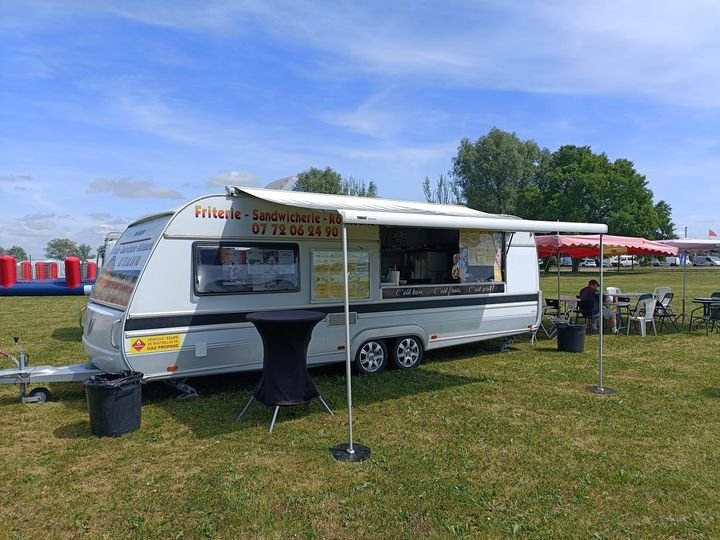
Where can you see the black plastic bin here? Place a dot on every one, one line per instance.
(571, 337)
(115, 403)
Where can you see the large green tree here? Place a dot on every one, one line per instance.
(84, 252)
(327, 180)
(492, 171)
(575, 184)
(316, 180)
(16, 251)
(60, 248)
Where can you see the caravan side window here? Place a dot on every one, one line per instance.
(243, 267)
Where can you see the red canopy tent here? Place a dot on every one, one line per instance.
(598, 245)
(588, 245)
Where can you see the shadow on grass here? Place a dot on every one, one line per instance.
(70, 333)
(711, 393)
(222, 398)
(76, 430)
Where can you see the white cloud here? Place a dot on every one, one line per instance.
(126, 188)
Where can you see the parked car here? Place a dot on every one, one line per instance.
(588, 263)
(625, 260)
(706, 260)
(565, 261)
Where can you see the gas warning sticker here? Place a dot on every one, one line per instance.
(148, 344)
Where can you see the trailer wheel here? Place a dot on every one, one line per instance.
(371, 357)
(40, 395)
(407, 352)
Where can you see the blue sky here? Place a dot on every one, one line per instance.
(111, 110)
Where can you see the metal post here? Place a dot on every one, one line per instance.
(348, 452)
(600, 389)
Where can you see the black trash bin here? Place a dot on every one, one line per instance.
(571, 337)
(115, 403)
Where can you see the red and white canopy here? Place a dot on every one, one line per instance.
(588, 245)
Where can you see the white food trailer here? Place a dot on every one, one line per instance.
(172, 299)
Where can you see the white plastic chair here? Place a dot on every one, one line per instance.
(660, 292)
(644, 314)
(613, 291)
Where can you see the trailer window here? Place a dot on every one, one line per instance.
(237, 268)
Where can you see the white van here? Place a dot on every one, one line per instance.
(706, 260)
(624, 260)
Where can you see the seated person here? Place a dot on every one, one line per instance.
(591, 293)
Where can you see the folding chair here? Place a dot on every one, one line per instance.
(551, 314)
(585, 311)
(663, 312)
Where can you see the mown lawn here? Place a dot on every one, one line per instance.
(473, 444)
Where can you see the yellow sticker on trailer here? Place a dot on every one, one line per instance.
(148, 344)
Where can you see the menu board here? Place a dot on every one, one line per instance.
(480, 255)
(327, 275)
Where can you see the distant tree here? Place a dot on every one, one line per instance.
(445, 192)
(60, 248)
(576, 184)
(84, 252)
(319, 181)
(666, 228)
(492, 171)
(329, 181)
(351, 186)
(19, 253)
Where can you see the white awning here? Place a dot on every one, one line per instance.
(693, 244)
(375, 211)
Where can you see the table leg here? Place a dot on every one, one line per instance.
(272, 423)
(245, 408)
(325, 405)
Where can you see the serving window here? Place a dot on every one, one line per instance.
(471, 259)
(245, 268)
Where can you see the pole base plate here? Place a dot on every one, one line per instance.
(604, 390)
(342, 452)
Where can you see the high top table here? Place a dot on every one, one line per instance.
(285, 380)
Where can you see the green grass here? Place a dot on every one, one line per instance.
(473, 444)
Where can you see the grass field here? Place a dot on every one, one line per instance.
(472, 444)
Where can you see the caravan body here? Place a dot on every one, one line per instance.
(173, 297)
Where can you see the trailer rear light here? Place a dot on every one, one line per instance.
(172, 368)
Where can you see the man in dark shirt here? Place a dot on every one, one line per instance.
(591, 294)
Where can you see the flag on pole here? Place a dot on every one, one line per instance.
(711, 232)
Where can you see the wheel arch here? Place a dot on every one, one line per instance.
(385, 334)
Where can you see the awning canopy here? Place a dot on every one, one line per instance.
(589, 246)
(693, 244)
(374, 211)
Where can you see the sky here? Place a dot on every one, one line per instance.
(112, 110)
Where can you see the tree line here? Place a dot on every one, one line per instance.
(58, 248)
(501, 174)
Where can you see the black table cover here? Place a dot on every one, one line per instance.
(285, 336)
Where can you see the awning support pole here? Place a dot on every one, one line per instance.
(600, 389)
(348, 452)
